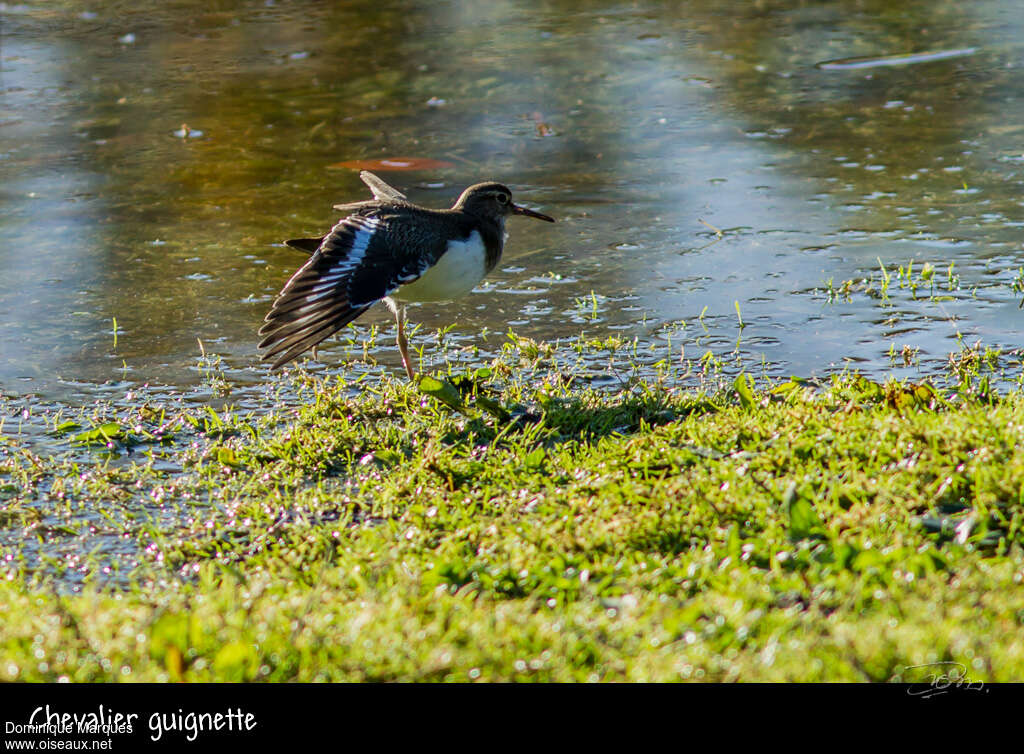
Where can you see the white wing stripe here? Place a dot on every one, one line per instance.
(363, 230)
(316, 295)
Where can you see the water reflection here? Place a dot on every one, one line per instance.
(49, 232)
(695, 155)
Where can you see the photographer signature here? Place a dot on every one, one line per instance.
(943, 677)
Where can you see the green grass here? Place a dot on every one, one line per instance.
(523, 527)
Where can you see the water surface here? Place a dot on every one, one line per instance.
(697, 155)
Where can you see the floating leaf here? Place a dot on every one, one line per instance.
(393, 163)
(101, 435)
(543, 128)
(64, 427)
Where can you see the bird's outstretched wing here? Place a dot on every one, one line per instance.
(358, 263)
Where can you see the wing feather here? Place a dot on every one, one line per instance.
(364, 258)
(381, 190)
(314, 304)
(311, 338)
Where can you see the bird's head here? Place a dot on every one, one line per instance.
(492, 200)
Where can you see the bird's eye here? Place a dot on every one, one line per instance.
(503, 198)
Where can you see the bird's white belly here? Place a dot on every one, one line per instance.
(456, 273)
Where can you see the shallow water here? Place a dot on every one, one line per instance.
(697, 155)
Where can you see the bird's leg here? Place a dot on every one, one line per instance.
(403, 345)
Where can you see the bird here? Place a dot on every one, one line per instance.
(387, 249)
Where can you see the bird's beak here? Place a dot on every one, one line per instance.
(517, 210)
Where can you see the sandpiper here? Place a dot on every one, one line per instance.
(388, 249)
